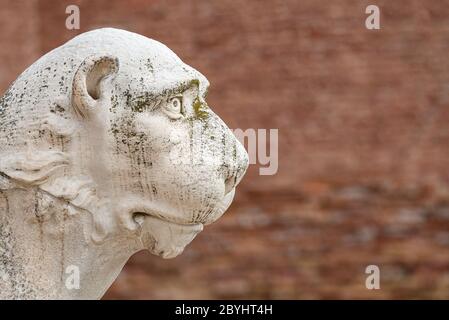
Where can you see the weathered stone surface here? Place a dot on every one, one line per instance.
(362, 112)
(108, 147)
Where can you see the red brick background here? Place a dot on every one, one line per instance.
(363, 140)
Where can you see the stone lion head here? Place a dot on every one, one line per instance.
(114, 126)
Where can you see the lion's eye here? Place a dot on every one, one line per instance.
(176, 105)
(174, 108)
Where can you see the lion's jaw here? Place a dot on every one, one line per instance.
(163, 233)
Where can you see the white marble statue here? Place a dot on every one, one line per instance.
(107, 147)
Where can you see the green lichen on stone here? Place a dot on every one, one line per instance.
(143, 102)
(139, 105)
(114, 103)
(149, 65)
(200, 109)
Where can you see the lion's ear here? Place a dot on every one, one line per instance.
(88, 85)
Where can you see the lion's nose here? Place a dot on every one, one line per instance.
(237, 168)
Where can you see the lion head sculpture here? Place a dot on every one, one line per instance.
(107, 147)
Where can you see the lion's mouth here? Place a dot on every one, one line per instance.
(139, 218)
(165, 232)
(169, 214)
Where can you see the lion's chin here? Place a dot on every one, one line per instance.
(167, 239)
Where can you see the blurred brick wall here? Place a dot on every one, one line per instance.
(363, 141)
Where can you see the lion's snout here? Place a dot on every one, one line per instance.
(237, 167)
(234, 168)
